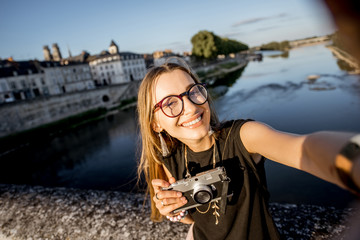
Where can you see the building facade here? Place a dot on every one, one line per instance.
(114, 67)
(67, 78)
(30, 79)
(22, 80)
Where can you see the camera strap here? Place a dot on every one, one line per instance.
(223, 201)
(225, 187)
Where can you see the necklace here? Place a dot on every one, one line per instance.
(215, 203)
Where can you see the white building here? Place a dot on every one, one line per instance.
(116, 67)
(21, 80)
(67, 78)
(30, 79)
(5, 92)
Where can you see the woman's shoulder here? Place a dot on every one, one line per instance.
(231, 125)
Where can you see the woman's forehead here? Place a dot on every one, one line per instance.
(172, 83)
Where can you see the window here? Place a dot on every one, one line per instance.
(13, 85)
(3, 86)
(45, 91)
(23, 84)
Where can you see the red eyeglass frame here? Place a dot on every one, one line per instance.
(180, 96)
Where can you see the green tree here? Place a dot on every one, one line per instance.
(205, 44)
(283, 46)
(208, 45)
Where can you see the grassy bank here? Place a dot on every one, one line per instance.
(220, 72)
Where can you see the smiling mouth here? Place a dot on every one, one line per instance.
(192, 122)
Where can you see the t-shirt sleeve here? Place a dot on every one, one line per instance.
(238, 141)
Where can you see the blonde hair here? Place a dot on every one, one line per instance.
(150, 163)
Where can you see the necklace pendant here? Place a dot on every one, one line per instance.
(216, 213)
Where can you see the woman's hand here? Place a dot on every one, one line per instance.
(168, 200)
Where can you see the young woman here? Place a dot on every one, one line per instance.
(181, 136)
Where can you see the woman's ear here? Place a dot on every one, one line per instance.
(156, 126)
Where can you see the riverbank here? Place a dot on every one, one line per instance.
(344, 56)
(26, 115)
(60, 213)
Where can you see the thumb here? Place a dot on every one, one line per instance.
(172, 180)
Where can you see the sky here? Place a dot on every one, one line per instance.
(144, 26)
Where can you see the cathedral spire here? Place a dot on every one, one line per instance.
(113, 49)
(69, 52)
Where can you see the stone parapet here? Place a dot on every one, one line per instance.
(59, 213)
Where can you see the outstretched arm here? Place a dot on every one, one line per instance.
(316, 153)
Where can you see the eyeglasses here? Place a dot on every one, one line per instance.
(173, 105)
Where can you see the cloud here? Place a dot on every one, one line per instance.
(253, 30)
(258, 19)
(266, 28)
(233, 34)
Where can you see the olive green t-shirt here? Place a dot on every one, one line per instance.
(247, 215)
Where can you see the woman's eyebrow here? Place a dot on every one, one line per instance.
(189, 86)
(187, 89)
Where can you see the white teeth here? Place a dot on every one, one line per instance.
(192, 122)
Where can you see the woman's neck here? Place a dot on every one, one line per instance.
(201, 145)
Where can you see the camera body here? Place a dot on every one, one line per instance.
(203, 188)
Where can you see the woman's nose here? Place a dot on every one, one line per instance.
(189, 107)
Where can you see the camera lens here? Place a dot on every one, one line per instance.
(202, 194)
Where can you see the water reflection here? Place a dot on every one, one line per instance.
(99, 155)
(276, 54)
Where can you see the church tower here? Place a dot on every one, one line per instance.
(47, 54)
(56, 52)
(113, 49)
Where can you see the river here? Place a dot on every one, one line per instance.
(102, 154)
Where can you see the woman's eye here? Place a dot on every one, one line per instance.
(194, 93)
(170, 103)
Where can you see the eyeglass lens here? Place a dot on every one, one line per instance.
(172, 106)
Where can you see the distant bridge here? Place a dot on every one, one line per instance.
(307, 41)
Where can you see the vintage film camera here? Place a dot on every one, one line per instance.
(203, 188)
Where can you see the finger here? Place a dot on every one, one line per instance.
(159, 183)
(172, 180)
(167, 210)
(170, 201)
(168, 194)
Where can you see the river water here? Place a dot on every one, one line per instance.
(102, 154)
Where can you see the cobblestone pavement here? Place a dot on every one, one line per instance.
(29, 213)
